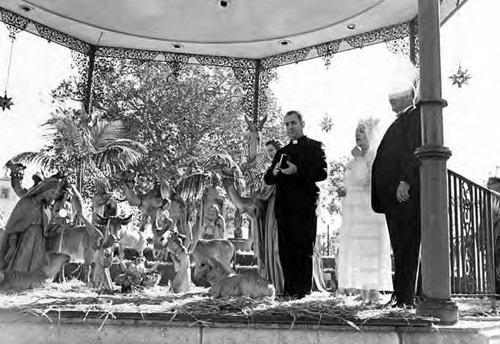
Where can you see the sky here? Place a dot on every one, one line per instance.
(355, 86)
(357, 83)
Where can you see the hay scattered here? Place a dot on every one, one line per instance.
(197, 308)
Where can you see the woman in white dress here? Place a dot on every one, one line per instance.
(364, 261)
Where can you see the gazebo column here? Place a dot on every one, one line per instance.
(88, 86)
(87, 100)
(435, 253)
(256, 85)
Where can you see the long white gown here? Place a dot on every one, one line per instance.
(364, 260)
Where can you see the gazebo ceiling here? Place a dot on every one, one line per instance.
(253, 29)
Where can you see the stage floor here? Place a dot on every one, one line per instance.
(70, 311)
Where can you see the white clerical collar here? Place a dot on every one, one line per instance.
(296, 141)
(405, 110)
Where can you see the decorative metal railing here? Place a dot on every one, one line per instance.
(472, 242)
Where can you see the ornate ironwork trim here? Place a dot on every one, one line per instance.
(414, 43)
(176, 62)
(390, 33)
(395, 31)
(471, 228)
(399, 46)
(328, 49)
(52, 35)
(246, 78)
(265, 78)
(286, 58)
(13, 20)
(179, 59)
(407, 45)
(127, 53)
(222, 61)
(325, 50)
(359, 41)
(15, 24)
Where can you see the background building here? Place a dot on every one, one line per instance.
(8, 200)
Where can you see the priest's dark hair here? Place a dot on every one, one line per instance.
(294, 112)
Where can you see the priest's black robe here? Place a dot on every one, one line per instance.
(296, 201)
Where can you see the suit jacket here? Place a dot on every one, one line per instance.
(298, 193)
(396, 161)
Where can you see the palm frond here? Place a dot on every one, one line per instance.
(40, 159)
(254, 173)
(132, 144)
(94, 171)
(192, 186)
(66, 130)
(256, 170)
(87, 146)
(118, 156)
(215, 161)
(103, 134)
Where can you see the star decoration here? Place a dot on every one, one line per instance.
(5, 102)
(327, 123)
(461, 77)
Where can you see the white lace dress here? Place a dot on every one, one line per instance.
(364, 260)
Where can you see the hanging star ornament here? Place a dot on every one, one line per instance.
(326, 123)
(461, 77)
(5, 102)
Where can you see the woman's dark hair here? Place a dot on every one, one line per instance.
(275, 143)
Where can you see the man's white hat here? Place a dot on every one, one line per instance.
(402, 82)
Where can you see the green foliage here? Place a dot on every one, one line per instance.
(332, 193)
(83, 147)
(329, 243)
(181, 116)
(334, 189)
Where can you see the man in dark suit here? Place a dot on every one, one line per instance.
(296, 201)
(396, 193)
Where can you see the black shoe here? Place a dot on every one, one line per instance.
(285, 297)
(403, 305)
(395, 302)
(392, 303)
(291, 297)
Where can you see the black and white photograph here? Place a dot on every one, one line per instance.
(234, 171)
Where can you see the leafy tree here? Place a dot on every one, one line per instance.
(85, 147)
(335, 189)
(331, 197)
(181, 116)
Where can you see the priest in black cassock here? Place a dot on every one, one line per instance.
(396, 193)
(296, 202)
